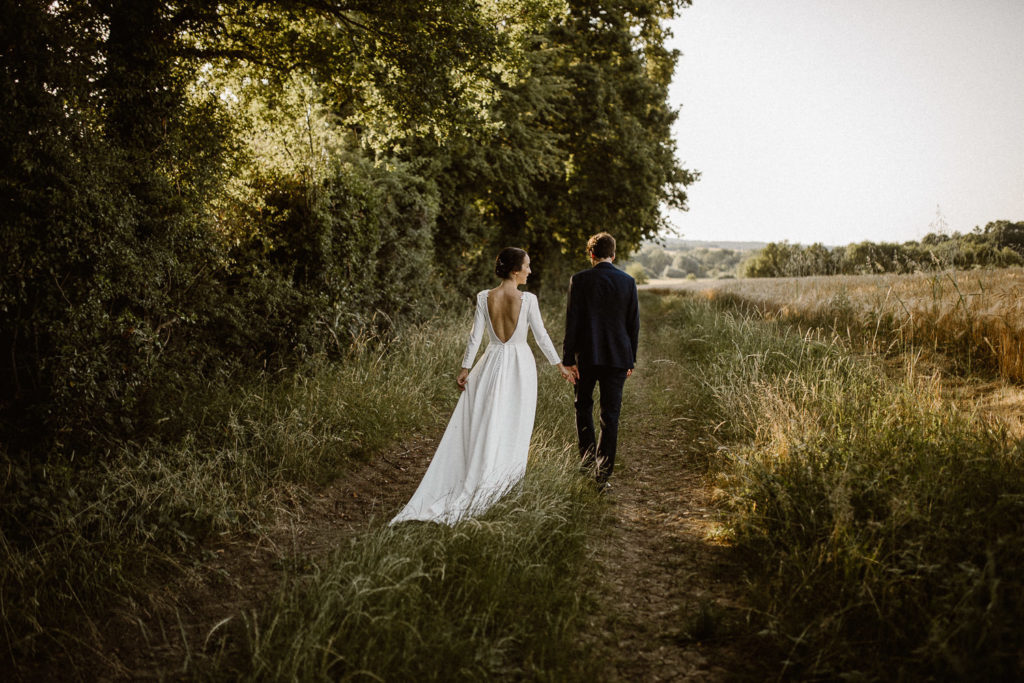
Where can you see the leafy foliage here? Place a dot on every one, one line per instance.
(687, 261)
(583, 144)
(199, 186)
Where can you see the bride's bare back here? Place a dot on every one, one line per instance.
(503, 306)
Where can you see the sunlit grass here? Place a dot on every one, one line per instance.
(881, 523)
(495, 597)
(974, 318)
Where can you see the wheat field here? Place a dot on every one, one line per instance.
(975, 318)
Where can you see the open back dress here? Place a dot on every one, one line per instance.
(484, 449)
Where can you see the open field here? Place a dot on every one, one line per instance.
(974, 318)
(881, 520)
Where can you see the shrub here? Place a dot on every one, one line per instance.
(637, 272)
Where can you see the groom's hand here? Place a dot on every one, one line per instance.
(569, 374)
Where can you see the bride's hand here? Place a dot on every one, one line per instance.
(461, 379)
(567, 374)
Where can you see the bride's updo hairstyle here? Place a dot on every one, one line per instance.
(510, 259)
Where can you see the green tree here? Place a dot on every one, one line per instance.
(581, 144)
(139, 223)
(654, 258)
(638, 272)
(192, 186)
(774, 260)
(621, 167)
(688, 264)
(1005, 234)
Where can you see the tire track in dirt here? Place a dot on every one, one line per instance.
(673, 607)
(161, 637)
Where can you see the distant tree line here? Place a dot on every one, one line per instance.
(194, 189)
(685, 261)
(998, 244)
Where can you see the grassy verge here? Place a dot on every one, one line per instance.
(497, 596)
(76, 539)
(882, 524)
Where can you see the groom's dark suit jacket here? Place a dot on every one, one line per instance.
(602, 322)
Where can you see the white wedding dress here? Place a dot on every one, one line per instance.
(483, 451)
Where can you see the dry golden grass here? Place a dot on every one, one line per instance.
(975, 317)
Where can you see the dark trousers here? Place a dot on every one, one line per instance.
(593, 450)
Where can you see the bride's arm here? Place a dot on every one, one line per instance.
(541, 335)
(475, 336)
(544, 341)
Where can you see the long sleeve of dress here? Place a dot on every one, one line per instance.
(540, 334)
(476, 335)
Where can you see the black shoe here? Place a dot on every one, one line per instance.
(603, 487)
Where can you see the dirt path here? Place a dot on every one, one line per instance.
(672, 609)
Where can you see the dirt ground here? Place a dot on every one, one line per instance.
(672, 607)
(160, 639)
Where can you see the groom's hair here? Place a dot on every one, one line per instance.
(601, 245)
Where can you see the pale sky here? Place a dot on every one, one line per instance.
(839, 121)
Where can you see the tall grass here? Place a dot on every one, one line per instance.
(75, 541)
(493, 597)
(974, 318)
(497, 595)
(882, 524)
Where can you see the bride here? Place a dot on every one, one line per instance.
(483, 451)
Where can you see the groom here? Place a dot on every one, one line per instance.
(602, 325)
